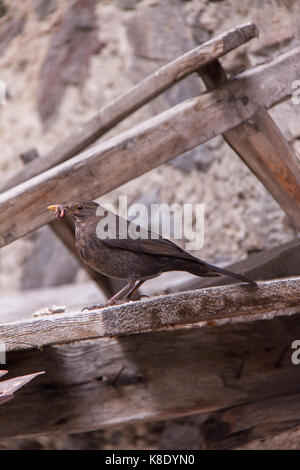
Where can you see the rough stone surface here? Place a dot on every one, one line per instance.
(43, 8)
(10, 27)
(50, 264)
(68, 58)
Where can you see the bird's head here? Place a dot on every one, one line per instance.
(79, 211)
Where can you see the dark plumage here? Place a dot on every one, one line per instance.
(134, 260)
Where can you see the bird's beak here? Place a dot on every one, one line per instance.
(59, 211)
(52, 208)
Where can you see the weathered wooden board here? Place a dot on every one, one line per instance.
(161, 375)
(164, 311)
(133, 99)
(267, 153)
(148, 145)
(236, 426)
(10, 386)
(264, 149)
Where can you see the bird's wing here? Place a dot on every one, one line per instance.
(154, 246)
(146, 242)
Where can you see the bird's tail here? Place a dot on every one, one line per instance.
(199, 270)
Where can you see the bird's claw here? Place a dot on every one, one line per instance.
(94, 307)
(108, 304)
(116, 302)
(139, 297)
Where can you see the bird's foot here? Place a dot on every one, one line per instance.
(108, 304)
(113, 301)
(139, 297)
(94, 307)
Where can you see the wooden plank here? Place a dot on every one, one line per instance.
(236, 426)
(148, 145)
(10, 386)
(263, 148)
(134, 98)
(164, 311)
(154, 376)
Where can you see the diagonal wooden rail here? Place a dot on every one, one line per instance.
(134, 98)
(10, 386)
(264, 149)
(148, 145)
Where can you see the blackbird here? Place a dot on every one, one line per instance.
(132, 259)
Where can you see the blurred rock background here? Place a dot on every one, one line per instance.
(61, 62)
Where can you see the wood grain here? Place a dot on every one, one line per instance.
(267, 153)
(148, 145)
(236, 426)
(164, 311)
(154, 376)
(10, 386)
(134, 98)
(264, 149)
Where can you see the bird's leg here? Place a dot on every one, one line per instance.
(115, 298)
(133, 291)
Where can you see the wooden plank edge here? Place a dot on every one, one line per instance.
(149, 315)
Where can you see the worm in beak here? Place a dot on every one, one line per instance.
(59, 211)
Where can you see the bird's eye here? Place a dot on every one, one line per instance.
(78, 207)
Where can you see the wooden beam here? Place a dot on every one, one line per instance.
(134, 98)
(154, 376)
(147, 146)
(236, 426)
(164, 311)
(264, 149)
(10, 386)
